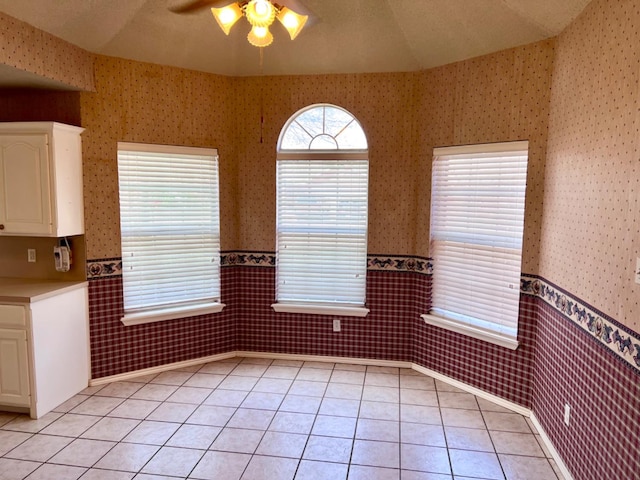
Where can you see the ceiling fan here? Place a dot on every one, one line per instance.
(259, 13)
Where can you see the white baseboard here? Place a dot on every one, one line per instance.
(122, 377)
(476, 391)
(357, 361)
(327, 359)
(506, 404)
(552, 450)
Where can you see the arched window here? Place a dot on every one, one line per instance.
(322, 127)
(322, 203)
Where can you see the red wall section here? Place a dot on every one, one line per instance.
(118, 349)
(248, 323)
(392, 330)
(602, 440)
(494, 369)
(385, 333)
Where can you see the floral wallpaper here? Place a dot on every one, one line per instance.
(496, 98)
(591, 223)
(403, 114)
(145, 103)
(26, 48)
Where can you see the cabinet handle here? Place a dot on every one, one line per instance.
(1, 227)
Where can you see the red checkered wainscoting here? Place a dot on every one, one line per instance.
(249, 323)
(494, 369)
(392, 330)
(602, 440)
(118, 349)
(385, 333)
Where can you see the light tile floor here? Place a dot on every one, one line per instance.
(259, 419)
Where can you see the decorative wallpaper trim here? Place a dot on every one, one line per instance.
(107, 267)
(388, 263)
(248, 259)
(113, 266)
(618, 339)
(400, 264)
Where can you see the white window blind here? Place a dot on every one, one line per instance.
(169, 218)
(322, 231)
(477, 218)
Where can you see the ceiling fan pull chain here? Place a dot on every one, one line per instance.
(261, 94)
(261, 60)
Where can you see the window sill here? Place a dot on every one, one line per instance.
(471, 331)
(163, 314)
(320, 309)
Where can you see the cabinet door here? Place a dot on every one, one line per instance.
(25, 196)
(14, 368)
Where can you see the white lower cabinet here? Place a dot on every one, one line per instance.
(44, 352)
(14, 367)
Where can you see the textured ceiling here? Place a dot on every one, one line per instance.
(342, 36)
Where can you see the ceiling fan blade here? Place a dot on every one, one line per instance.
(295, 5)
(195, 5)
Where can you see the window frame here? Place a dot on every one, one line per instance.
(317, 154)
(492, 332)
(177, 309)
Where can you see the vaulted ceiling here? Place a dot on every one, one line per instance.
(342, 36)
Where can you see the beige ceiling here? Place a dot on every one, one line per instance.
(343, 36)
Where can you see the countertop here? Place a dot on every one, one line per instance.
(27, 290)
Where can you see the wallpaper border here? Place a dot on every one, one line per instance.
(111, 267)
(615, 337)
(104, 268)
(388, 263)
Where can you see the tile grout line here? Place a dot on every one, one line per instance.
(398, 388)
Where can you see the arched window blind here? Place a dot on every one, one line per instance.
(322, 205)
(477, 219)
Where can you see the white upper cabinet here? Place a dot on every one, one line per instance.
(41, 179)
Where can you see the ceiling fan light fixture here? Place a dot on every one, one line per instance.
(260, 13)
(292, 21)
(227, 16)
(260, 37)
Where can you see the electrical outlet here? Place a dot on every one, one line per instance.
(31, 255)
(567, 413)
(637, 275)
(336, 324)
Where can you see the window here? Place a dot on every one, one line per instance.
(169, 219)
(322, 200)
(477, 218)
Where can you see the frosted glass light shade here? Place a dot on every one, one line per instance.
(260, 13)
(227, 16)
(260, 37)
(292, 21)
